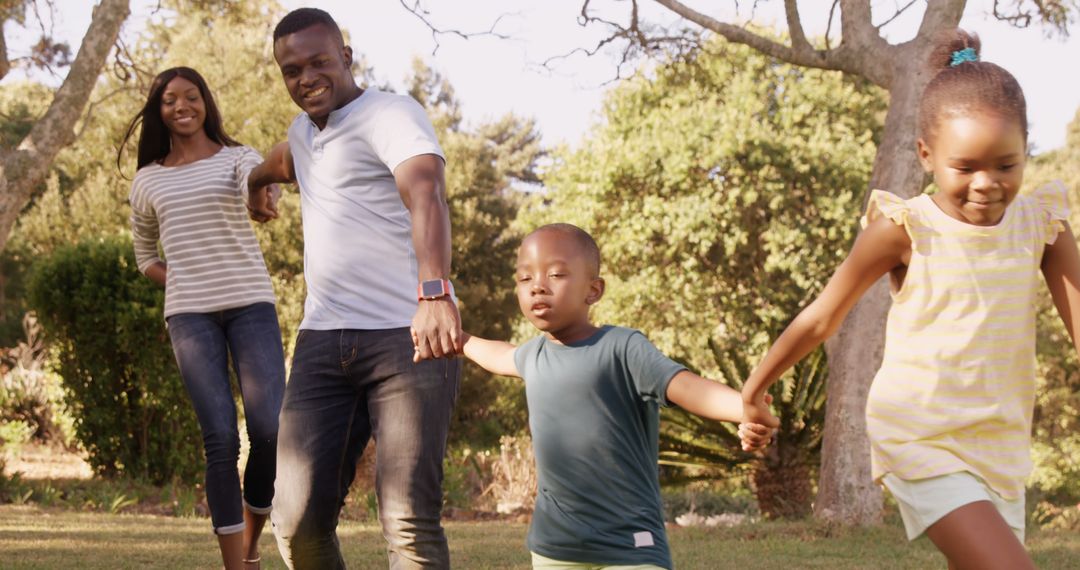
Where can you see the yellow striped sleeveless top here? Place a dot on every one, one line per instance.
(956, 387)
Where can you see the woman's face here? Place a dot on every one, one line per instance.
(182, 107)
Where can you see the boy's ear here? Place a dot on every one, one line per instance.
(346, 52)
(923, 150)
(596, 291)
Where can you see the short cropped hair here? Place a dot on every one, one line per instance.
(302, 19)
(582, 239)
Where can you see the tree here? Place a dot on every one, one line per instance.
(24, 167)
(1056, 433)
(722, 189)
(846, 493)
(483, 165)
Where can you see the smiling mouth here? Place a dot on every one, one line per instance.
(315, 93)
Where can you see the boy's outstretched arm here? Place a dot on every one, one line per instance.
(881, 247)
(1061, 268)
(495, 356)
(715, 401)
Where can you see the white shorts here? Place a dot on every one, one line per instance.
(923, 502)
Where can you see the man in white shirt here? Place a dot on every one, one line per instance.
(376, 262)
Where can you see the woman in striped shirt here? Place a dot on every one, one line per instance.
(189, 194)
(949, 412)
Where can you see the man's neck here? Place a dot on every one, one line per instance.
(352, 96)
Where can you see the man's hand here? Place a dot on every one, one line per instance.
(262, 203)
(436, 329)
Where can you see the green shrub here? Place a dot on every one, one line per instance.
(105, 323)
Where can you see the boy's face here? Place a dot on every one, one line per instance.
(315, 67)
(555, 284)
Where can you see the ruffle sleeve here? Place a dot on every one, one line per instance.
(889, 205)
(1052, 202)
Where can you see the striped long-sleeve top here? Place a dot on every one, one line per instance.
(956, 387)
(198, 212)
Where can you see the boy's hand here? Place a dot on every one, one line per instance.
(754, 436)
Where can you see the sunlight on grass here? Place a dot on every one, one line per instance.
(34, 538)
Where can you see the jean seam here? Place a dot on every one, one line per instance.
(345, 453)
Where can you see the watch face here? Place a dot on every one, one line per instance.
(432, 289)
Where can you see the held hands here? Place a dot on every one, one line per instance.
(758, 425)
(436, 329)
(262, 203)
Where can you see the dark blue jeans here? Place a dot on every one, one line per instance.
(202, 343)
(345, 387)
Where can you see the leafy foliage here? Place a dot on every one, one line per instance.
(1056, 445)
(131, 412)
(723, 191)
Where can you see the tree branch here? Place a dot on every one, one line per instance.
(828, 26)
(795, 27)
(24, 168)
(849, 56)
(417, 10)
(5, 65)
(899, 11)
(940, 15)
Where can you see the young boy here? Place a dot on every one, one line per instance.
(594, 395)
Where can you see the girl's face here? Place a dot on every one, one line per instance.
(977, 160)
(182, 107)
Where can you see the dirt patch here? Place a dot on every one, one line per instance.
(35, 461)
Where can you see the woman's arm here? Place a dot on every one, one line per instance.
(157, 272)
(880, 248)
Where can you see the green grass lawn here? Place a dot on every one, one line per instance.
(32, 537)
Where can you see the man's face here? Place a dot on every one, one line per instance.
(315, 66)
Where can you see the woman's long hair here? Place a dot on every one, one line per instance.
(154, 139)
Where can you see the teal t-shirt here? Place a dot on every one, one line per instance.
(594, 412)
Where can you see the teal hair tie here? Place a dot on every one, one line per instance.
(960, 56)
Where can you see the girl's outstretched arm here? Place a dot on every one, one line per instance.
(1061, 268)
(880, 248)
(495, 356)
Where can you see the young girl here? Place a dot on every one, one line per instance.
(949, 412)
(189, 194)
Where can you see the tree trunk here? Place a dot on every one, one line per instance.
(847, 494)
(23, 169)
(782, 483)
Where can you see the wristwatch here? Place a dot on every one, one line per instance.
(433, 289)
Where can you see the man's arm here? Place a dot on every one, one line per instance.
(276, 168)
(421, 182)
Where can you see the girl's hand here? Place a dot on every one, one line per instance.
(757, 412)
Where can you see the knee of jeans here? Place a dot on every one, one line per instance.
(262, 429)
(222, 445)
(402, 528)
